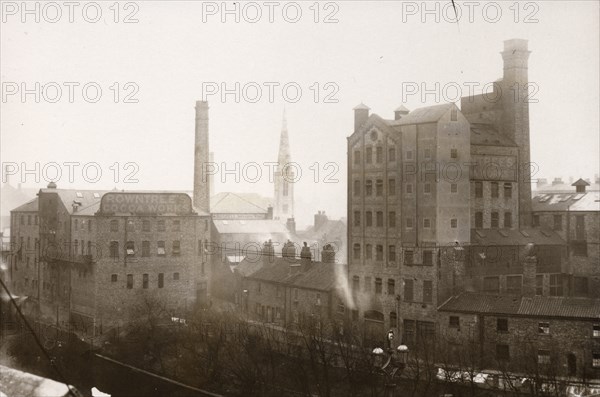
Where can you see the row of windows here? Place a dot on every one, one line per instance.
(175, 225)
(408, 254)
(391, 220)
(427, 293)
(391, 188)
(408, 155)
(495, 189)
(145, 280)
(130, 249)
(29, 219)
(514, 284)
(494, 220)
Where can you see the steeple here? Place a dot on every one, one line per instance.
(284, 144)
(284, 177)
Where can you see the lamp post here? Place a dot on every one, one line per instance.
(390, 362)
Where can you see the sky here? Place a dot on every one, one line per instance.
(153, 59)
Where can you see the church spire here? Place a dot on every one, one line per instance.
(284, 177)
(284, 144)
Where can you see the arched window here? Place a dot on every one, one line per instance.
(356, 251)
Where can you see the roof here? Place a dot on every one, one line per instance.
(89, 199)
(487, 135)
(572, 202)
(561, 187)
(580, 182)
(239, 203)
(30, 206)
(329, 229)
(320, 276)
(361, 106)
(11, 197)
(401, 108)
(428, 114)
(499, 237)
(18, 383)
(535, 306)
(250, 226)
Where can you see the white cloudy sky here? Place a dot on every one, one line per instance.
(369, 53)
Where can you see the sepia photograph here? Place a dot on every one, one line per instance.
(355, 198)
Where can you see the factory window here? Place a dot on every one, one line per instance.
(379, 219)
(28, 242)
(514, 284)
(539, 284)
(129, 281)
(544, 328)
(176, 248)
(557, 222)
(356, 218)
(508, 190)
(502, 353)
(356, 251)
(160, 225)
(427, 154)
(508, 219)
(176, 226)
(145, 281)
(427, 188)
(160, 248)
(202, 268)
(357, 187)
(378, 285)
(35, 219)
(409, 223)
(454, 153)
(379, 154)
(408, 257)
(478, 189)
(145, 225)
(368, 251)
(454, 322)
(393, 320)
(82, 247)
(426, 223)
(22, 219)
(369, 187)
(130, 248)
(408, 290)
(556, 287)
(379, 252)
(76, 224)
(453, 223)
(428, 258)
(495, 189)
(161, 280)
(392, 154)
(391, 187)
(427, 291)
(536, 221)
(176, 276)
(114, 225)
(89, 247)
(454, 114)
(89, 223)
(392, 253)
(491, 284)
(367, 285)
(479, 220)
(355, 283)
(114, 249)
(369, 219)
(495, 220)
(130, 225)
(318, 299)
(409, 155)
(145, 248)
(391, 286)
(369, 155)
(379, 187)
(453, 188)
(596, 359)
(392, 219)
(580, 285)
(409, 188)
(543, 356)
(357, 157)
(502, 325)
(113, 278)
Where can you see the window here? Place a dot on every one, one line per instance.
(556, 288)
(408, 290)
(89, 225)
(379, 187)
(369, 155)
(392, 154)
(379, 253)
(580, 285)
(145, 281)
(392, 253)
(514, 284)
(427, 188)
(114, 249)
(409, 188)
(160, 225)
(454, 322)
(161, 280)
(479, 220)
(356, 218)
(508, 190)
(357, 187)
(145, 225)
(502, 325)
(369, 187)
(130, 248)
(378, 285)
(539, 284)
(369, 218)
(428, 258)
(408, 332)
(508, 219)
(176, 276)
(495, 220)
(356, 251)
(145, 248)
(379, 219)
(76, 224)
(129, 281)
(318, 299)
(557, 222)
(393, 320)
(357, 157)
(259, 288)
(409, 223)
(543, 357)
(453, 153)
(453, 223)
(368, 251)
(355, 283)
(130, 225)
(379, 154)
(478, 189)
(114, 225)
(502, 353)
(427, 291)
(427, 154)
(544, 328)
(113, 278)
(426, 223)
(408, 257)
(35, 220)
(367, 285)
(22, 219)
(453, 188)
(392, 187)
(409, 155)
(536, 220)
(491, 284)
(160, 248)
(596, 330)
(392, 219)
(596, 359)
(392, 290)
(495, 190)
(176, 248)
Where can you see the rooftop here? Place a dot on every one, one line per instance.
(498, 237)
(572, 202)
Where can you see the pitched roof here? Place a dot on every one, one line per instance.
(238, 203)
(561, 187)
(30, 206)
(89, 200)
(401, 108)
(250, 226)
(512, 237)
(535, 306)
(320, 276)
(580, 182)
(487, 135)
(549, 202)
(361, 106)
(428, 114)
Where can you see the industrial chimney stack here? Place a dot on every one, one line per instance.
(201, 159)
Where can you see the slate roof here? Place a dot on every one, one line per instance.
(30, 206)
(572, 202)
(562, 187)
(498, 237)
(428, 114)
(535, 306)
(487, 135)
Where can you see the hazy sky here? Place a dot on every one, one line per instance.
(367, 55)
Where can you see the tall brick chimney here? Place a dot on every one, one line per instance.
(361, 114)
(515, 120)
(201, 159)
